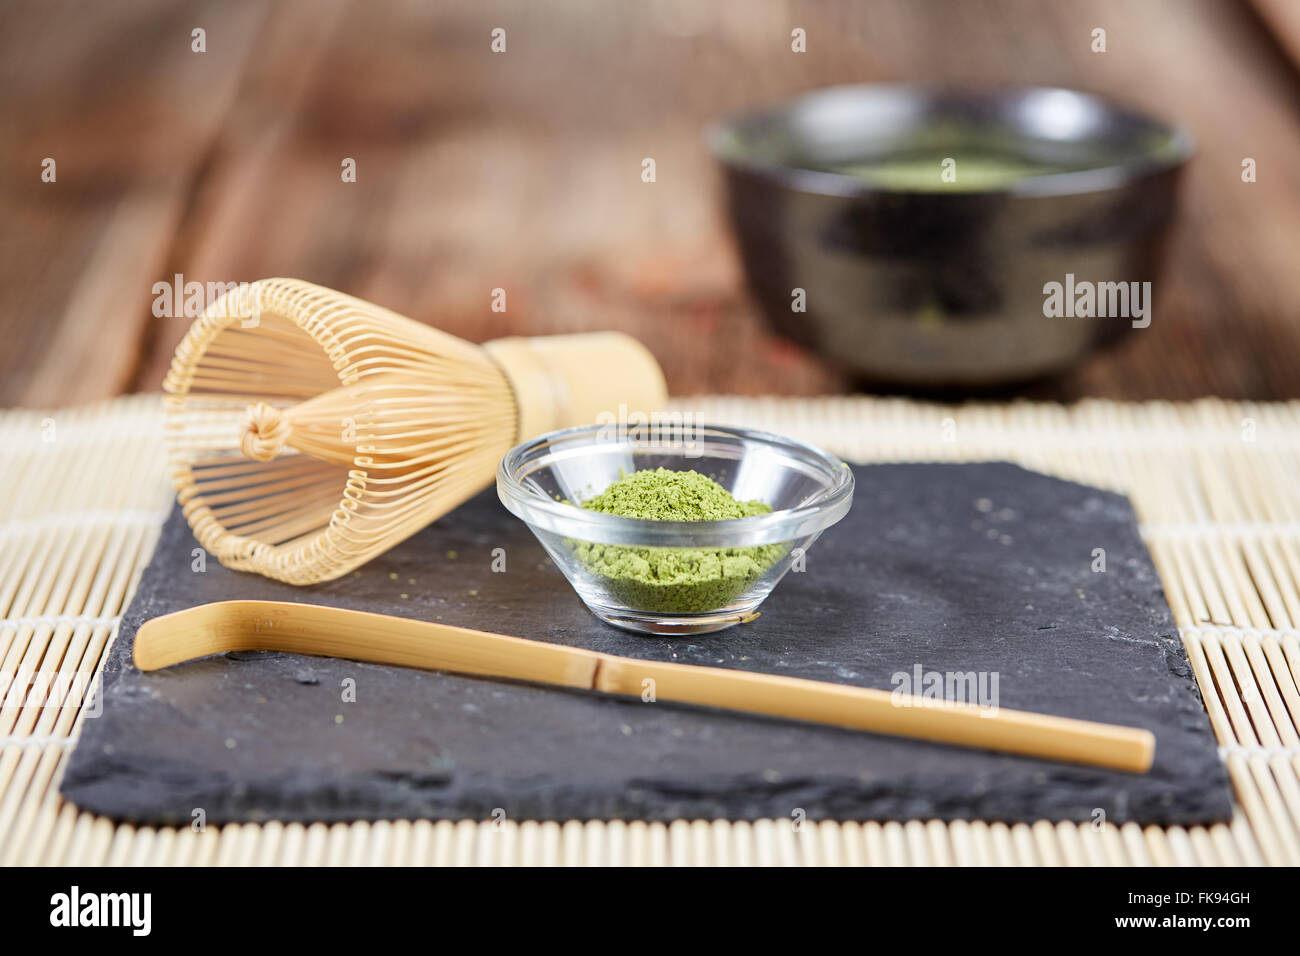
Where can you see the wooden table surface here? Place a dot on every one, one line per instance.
(521, 171)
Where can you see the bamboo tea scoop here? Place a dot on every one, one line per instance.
(381, 639)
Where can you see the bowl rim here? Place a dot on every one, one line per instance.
(809, 517)
(1073, 182)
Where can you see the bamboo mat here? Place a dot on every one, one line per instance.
(1216, 486)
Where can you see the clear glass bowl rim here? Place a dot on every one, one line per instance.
(810, 517)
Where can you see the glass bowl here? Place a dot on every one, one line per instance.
(674, 577)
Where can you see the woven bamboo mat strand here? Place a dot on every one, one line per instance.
(1215, 485)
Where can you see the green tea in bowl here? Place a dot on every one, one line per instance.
(675, 580)
(674, 528)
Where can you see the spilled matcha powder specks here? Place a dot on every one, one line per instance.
(670, 580)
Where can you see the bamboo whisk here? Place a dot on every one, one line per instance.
(310, 431)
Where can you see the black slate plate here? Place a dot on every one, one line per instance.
(984, 568)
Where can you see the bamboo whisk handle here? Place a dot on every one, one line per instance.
(564, 380)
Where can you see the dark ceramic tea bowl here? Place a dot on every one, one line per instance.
(943, 239)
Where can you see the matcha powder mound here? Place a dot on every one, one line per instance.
(675, 580)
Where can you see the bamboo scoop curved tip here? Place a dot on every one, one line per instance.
(378, 638)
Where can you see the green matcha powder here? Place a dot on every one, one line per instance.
(674, 580)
